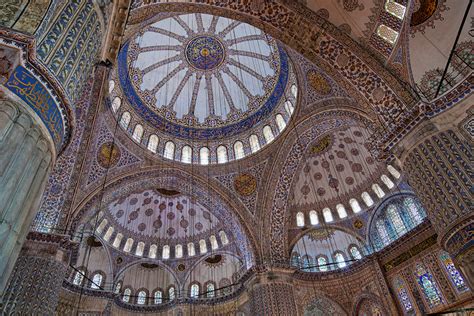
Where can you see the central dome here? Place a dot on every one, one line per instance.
(205, 53)
(198, 82)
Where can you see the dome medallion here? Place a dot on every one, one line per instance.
(205, 53)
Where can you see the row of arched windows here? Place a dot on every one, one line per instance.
(327, 213)
(166, 250)
(142, 297)
(222, 153)
(96, 280)
(321, 263)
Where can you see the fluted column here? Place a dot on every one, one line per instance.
(26, 156)
(272, 293)
(36, 280)
(438, 159)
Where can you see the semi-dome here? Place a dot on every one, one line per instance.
(201, 80)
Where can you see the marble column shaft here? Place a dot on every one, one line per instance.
(26, 157)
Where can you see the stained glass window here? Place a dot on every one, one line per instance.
(396, 220)
(78, 277)
(355, 253)
(307, 263)
(194, 291)
(403, 295)
(171, 293)
(118, 286)
(382, 231)
(210, 290)
(416, 213)
(340, 260)
(158, 297)
(453, 273)
(126, 295)
(96, 281)
(428, 285)
(141, 299)
(295, 259)
(322, 264)
(300, 219)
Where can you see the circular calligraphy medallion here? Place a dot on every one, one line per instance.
(108, 155)
(205, 53)
(245, 184)
(318, 82)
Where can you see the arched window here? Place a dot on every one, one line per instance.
(186, 154)
(355, 252)
(178, 249)
(128, 245)
(396, 220)
(239, 150)
(194, 291)
(355, 205)
(153, 251)
(141, 297)
(313, 217)
(140, 249)
(327, 214)
(118, 286)
(280, 122)
(96, 281)
(78, 277)
(452, 272)
(202, 246)
(221, 154)
(403, 295)
(126, 295)
(322, 264)
(138, 133)
(191, 250)
(111, 86)
(171, 293)
(294, 91)
(340, 260)
(166, 252)
(118, 240)
(394, 172)
(153, 143)
(213, 241)
(378, 190)
(427, 285)
(367, 199)
(108, 233)
(300, 219)
(295, 259)
(101, 226)
(204, 156)
(116, 103)
(158, 297)
(169, 150)
(268, 134)
(125, 120)
(210, 290)
(386, 180)
(254, 143)
(223, 237)
(289, 108)
(341, 211)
